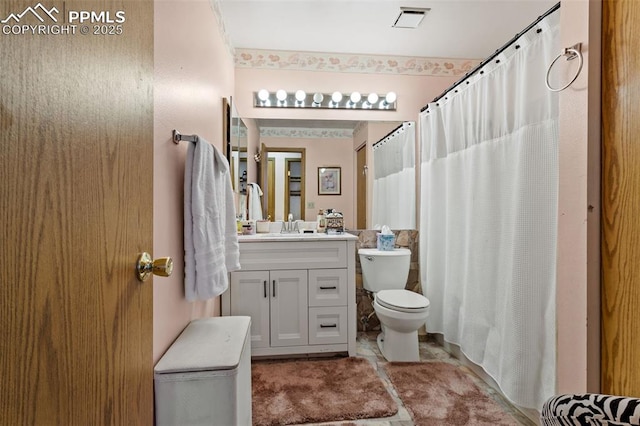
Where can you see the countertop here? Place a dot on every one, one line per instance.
(296, 237)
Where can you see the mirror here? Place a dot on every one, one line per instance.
(394, 179)
(237, 151)
(298, 151)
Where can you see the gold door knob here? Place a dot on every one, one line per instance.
(145, 266)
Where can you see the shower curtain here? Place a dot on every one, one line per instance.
(489, 179)
(394, 182)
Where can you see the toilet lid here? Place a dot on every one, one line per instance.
(402, 300)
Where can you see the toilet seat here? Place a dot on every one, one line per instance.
(402, 301)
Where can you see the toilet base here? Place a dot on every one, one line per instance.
(400, 347)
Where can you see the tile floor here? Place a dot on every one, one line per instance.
(430, 350)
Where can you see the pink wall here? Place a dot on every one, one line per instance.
(193, 72)
(578, 272)
(324, 152)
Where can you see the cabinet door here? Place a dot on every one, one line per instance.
(250, 296)
(289, 308)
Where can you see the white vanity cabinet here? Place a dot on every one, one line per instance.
(299, 293)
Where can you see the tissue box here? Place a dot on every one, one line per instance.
(386, 242)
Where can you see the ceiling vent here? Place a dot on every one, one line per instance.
(410, 17)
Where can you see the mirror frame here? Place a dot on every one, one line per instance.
(232, 124)
(226, 125)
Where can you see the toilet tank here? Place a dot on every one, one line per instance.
(384, 270)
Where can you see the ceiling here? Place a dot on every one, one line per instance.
(464, 29)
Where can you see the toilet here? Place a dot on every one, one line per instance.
(401, 312)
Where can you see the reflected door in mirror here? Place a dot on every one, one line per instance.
(293, 189)
(284, 179)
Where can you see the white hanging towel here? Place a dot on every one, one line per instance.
(210, 235)
(255, 206)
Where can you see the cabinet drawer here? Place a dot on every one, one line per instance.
(328, 325)
(293, 255)
(327, 287)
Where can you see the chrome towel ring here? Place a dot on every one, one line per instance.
(571, 53)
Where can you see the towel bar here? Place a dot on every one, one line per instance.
(177, 137)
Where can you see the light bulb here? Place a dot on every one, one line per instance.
(281, 95)
(355, 97)
(318, 98)
(263, 95)
(300, 95)
(336, 97)
(372, 98)
(390, 98)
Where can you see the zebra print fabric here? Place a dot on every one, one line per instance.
(590, 410)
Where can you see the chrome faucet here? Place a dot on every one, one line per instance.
(289, 227)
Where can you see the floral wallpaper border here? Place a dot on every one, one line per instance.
(359, 127)
(305, 133)
(355, 63)
(217, 11)
(239, 131)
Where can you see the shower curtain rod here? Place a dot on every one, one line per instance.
(496, 53)
(389, 134)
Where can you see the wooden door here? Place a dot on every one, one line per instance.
(361, 182)
(76, 152)
(250, 296)
(289, 308)
(621, 198)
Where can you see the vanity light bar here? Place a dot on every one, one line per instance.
(335, 100)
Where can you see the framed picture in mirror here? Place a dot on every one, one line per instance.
(329, 181)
